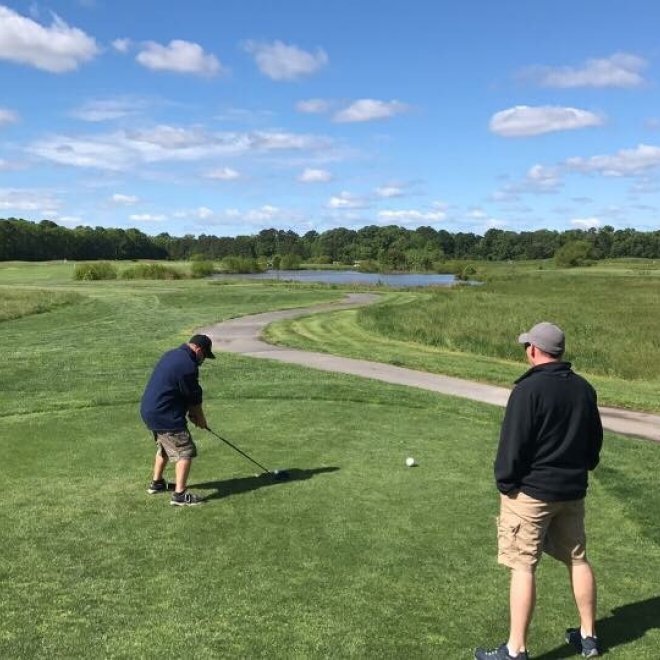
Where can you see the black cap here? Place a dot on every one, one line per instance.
(204, 343)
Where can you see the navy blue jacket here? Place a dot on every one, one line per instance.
(171, 390)
(551, 435)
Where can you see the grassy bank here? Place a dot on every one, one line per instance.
(356, 556)
(610, 316)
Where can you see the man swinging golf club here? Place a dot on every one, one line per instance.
(172, 394)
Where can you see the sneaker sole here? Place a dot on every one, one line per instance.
(185, 503)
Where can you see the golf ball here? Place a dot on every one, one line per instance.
(410, 461)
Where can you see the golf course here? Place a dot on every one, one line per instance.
(356, 555)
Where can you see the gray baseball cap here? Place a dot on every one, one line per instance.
(546, 336)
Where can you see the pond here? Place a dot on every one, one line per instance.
(350, 277)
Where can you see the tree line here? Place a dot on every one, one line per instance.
(387, 247)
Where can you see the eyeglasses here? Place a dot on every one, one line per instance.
(526, 345)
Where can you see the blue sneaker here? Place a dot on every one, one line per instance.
(587, 646)
(500, 653)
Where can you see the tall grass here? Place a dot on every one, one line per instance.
(611, 322)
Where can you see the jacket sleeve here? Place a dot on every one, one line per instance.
(516, 439)
(596, 439)
(191, 389)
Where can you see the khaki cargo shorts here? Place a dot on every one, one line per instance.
(527, 527)
(175, 444)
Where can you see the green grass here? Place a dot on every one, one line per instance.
(356, 556)
(610, 319)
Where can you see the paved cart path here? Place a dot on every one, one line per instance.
(243, 335)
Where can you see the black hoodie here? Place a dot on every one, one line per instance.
(551, 435)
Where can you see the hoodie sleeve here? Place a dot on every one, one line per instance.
(516, 438)
(596, 439)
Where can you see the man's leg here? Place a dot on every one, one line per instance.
(583, 583)
(522, 597)
(159, 465)
(181, 471)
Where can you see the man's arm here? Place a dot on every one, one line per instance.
(596, 436)
(197, 417)
(511, 461)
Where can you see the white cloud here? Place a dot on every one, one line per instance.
(127, 150)
(310, 175)
(477, 214)
(57, 49)
(585, 223)
(370, 109)
(618, 70)
(313, 106)
(147, 217)
(346, 200)
(107, 109)
(542, 179)
(27, 199)
(405, 216)
(524, 120)
(122, 45)
(126, 200)
(627, 162)
(7, 116)
(280, 61)
(180, 57)
(388, 192)
(223, 174)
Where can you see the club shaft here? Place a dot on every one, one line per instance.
(240, 451)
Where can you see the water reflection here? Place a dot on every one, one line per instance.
(350, 277)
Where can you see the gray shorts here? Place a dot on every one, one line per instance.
(175, 444)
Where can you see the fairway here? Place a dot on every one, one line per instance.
(356, 555)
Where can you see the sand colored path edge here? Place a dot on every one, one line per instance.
(243, 335)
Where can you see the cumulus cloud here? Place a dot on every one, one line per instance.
(310, 175)
(223, 174)
(57, 48)
(179, 57)
(280, 61)
(618, 70)
(313, 106)
(626, 162)
(122, 45)
(405, 216)
(27, 199)
(125, 200)
(585, 223)
(346, 200)
(147, 217)
(524, 120)
(389, 191)
(370, 109)
(541, 178)
(7, 116)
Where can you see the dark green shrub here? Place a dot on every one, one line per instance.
(199, 268)
(290, 262)
(573, 254)
(96, 270)
(241, 265)
(368, 266)
(151, 272)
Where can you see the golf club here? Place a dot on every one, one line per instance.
(280, 475)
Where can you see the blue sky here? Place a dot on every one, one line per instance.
(226, 117)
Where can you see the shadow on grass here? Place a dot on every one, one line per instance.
(626, 624)
(228, 487)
